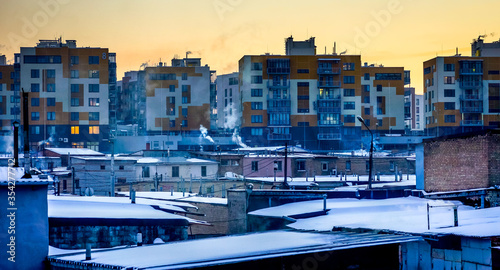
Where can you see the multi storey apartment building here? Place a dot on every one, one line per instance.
(71, 94)
(462, 93)
(9, 98)
(178, 97)
(314, 100)
(228, 101)
(414, 114)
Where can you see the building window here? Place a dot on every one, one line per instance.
(185, 88)
(145, 171)
(171, 88)
(365, 87)
(367, 76)
(449, 79)
(349, 118)
(380, 122)
(184, 123)
(256, 66)
(94, 88)
(175, 171)
(93, 129)
(255, 166)
(184, 76)
(379, 88)
(121, 167)
(391, 166)
(35, 87)
(93, 60)
(203, 171)
(93, 73)
(348, 66)
(449, 67)
(256, 105)
(349, 79)
(51, 73)
(348, 165)
(93, 116)
(324, 166)
(172, 123)
(35, 73)
(51, 102)
(75, 88)
(449, 105)
(224, 162)
(75, 102)
(35, 116)
(367, 111)
(75, 130)
(257, 79)
(301, 165)
(302, 70)
(51, 116)
(51, 87)
(256, 93)
(449, 92)
(184, 112)
(185, 100)
(349, 105)
(449, 118)
(35, 102)
(75, 116)
(349, 92)
(75, 60)
(256, 118)
(35, 129)
(256, 131)
(388, 76)
(75, 74)
(366, 99)
(94, 102)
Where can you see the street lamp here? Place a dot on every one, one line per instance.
(360, 119)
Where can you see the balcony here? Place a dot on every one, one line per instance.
(329, 136)
(471, 84)
(471, 122)
(328, 70)
(278, 70)
(280, 85)
(472, 109)
(279, 137)
(329, 123)
(323, 109)
(325, 84)
(329, 97)
(471, 97)
(279, 106)
(272, 97)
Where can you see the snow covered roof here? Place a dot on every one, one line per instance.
(175, 160)
(164, 205)
(407, 215)
(107, 158)
(208, 200)
(291, 149)
(74, 212)
(230, 249)
(18, 172)
(169, 197)
(75, 151)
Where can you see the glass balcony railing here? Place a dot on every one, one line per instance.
(471, 122)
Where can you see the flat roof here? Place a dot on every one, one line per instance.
(230, 249)
(74, 151)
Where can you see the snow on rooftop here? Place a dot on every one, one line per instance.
(350, 178)
(209, 200)
(124, 200)
(105, 210)
(75, 151)
(220, 250)
(398, 214)
(18, 172)
(164, 196)
(176, 160)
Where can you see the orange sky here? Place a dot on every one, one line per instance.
(389, 32)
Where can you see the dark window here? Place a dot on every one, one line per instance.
(449, 92)
(256, 118)
(449, 105)
(367, 76)
(35, 102)
(304, 84)
(51, 102)
(35, 73)
(35, 116)
(203, 171)
(256, 93)
(75, 60)
(427, 70)
(256, 79)
(367, 111)
(449, 119)
(93, 88)
(75, 88)
(184, 76)
(171, 88)
(493, 72)
(256, 105)
(349, 79)
(366, 99)
(366, 88)
(93, 116)
(349, 118)
(388, 76)
(256, 66)
(349, 92)
(103, 167)
(449, 67)
(255, 166)
(75, 116)
(349, 105)
(379, 88)
(301, 165)
(302, 70)
(348, 165)
(184, 111)
(75, 102)
(93, 60)
(145, 171)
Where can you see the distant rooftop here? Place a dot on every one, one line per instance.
(75, 151)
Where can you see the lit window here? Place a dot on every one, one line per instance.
(75, 130)
(93, 129)
(94, 102)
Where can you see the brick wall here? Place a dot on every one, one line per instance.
(215, 214)
(75, 237)
(461, 163)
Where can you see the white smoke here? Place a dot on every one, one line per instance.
(7, 144)
(204, 134)
(237, 139)
(231, 117)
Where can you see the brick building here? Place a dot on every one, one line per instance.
(462, 162)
